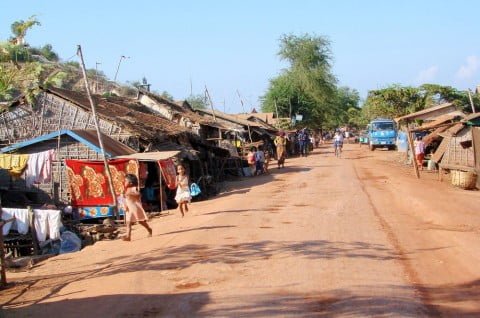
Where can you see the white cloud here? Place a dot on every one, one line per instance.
(468, 70)
(427, 75)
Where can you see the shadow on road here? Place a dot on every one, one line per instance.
(199, 229)
(337, 302)
(131, 305)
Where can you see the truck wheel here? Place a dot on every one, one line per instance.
(372, 147)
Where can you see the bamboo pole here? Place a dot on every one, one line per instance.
(99, 136)
(243, 108)
(410, 143)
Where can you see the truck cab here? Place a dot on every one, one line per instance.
(382, 133)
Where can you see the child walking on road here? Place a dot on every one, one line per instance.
(183, 195)
(134, 211)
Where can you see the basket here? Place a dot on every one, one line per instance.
(464, 179)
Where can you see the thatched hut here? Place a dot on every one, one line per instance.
(459, 152)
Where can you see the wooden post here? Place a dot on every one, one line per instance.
(99, 136)
(412, 147)
(160, 182)
(3, 275)
(33, 231)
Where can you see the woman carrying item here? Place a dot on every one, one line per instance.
(419, 151)
(281, 143)
(183, 196)
(133, 206)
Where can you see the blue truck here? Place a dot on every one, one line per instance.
(382, 133)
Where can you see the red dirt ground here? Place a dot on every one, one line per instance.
(351, 236)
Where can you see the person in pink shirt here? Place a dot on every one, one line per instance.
(419, 151)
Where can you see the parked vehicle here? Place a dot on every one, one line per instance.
(363, 137)
(382, 133)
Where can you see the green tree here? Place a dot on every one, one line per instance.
(167, 96)
(437, 94)
(20, 28)
(393, 101)
(307, 87)
(197, 101)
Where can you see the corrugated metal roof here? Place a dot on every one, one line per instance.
(87, 137)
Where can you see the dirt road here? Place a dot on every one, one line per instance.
(355, 236)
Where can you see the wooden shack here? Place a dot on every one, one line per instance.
(460, 149)
(63, 144)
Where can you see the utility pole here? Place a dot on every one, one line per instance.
(243, 108)
(211, 104)
(97, 127)
(118, 66)
(96, 75)
(471, 100)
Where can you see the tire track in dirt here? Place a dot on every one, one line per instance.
(411, 274)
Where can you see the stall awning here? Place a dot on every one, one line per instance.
(150, 156)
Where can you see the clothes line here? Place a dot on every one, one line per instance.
(47, 223)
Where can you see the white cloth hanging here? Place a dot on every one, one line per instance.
(21, 220)
(39, 167)
(47, 224)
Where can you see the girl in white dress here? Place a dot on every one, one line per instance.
(183, 195)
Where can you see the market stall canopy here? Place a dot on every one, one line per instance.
(150, 156)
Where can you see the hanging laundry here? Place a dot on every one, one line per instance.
(89, 184)
(169, 173)
(47, 224)
(7, 226)
(39, 167)
(15, 164)
(21, 220)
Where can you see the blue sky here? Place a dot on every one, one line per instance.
(182, 46)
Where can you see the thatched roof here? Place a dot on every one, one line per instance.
(227, 117)
(428, 113)
(267, 118)
(126, 113)
(180, 107)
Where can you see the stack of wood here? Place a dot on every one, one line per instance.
(92, 233)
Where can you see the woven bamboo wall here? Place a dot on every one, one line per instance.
(50, 114)
(456, 154)
(57, 190)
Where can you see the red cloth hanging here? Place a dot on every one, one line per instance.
(169, 173)
(89, 183)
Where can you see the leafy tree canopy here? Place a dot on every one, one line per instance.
(308, 86)
(197, 101)
(20, 28)
(395, 100)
